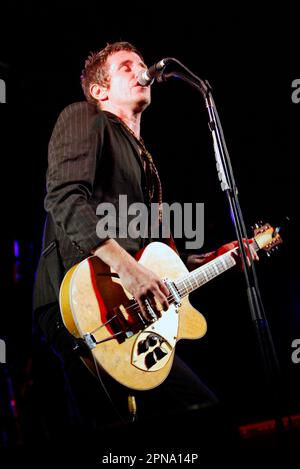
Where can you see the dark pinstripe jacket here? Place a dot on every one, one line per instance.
(91, 159)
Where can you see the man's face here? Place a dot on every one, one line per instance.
(123, 89)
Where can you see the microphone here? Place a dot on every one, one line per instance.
(146, 77)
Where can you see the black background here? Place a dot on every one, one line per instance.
(250, 57)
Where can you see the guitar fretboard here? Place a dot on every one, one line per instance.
(204, 274)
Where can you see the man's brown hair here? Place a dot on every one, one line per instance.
(95, 67)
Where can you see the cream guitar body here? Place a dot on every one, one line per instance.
(88, 298)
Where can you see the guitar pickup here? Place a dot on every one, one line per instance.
(118, 323)
(122, 323)
(174, 292)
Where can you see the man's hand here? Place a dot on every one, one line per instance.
(144, 284)
(141, 282)
(196, 260)
(236, 253)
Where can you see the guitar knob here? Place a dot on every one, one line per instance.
(159, 353)
(152, 340)
(150, 360)
(143, 346)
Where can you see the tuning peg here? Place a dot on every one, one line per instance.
(276, 231)
(268, 253)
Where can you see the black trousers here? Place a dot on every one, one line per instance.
(104, 400)
(101, 401)
(180, 411)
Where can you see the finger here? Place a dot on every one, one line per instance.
(156, 307)
(197, 260)
(254, 254)
(163, 288)
(236, 256)
(226, 247)
(153, 311)
(251, 255)
(143, 309)
(163, 299)
(146, 303)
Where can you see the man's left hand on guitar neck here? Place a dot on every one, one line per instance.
(196, 260)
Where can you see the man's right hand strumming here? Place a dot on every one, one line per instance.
(141, 282)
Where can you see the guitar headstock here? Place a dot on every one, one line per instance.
(267, 237)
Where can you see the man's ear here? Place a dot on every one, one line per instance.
(98, 92)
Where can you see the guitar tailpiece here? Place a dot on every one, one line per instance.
(90, 341)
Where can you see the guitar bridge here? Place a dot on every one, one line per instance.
(123, 324)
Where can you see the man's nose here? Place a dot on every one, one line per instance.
(137, 70)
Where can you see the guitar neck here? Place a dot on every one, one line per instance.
(208, 271)
(205, 273)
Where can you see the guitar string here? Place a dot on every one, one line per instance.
(208, 271)
(135, 308)
(210, 274)
(182, 291)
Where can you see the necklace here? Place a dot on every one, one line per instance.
(154, 182)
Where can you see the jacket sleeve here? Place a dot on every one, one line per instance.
(74, 151)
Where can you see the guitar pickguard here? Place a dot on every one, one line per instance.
(154, 346)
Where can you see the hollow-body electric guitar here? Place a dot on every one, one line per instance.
(137, 352)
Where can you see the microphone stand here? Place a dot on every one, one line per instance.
(228, 185)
